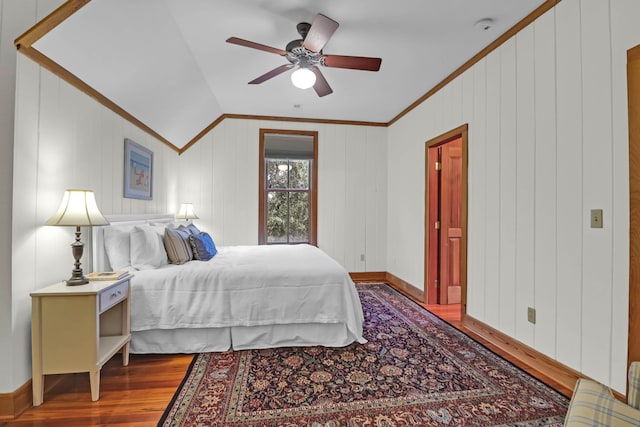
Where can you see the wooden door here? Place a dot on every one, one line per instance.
(433, 233)
(444, 223)
(633, 94)
(451, 222)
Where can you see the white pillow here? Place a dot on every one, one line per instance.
(147, 247)
(117, 247)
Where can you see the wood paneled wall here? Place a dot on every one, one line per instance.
(15, 18)
(548, 142)
(219, 175)
(64, 139)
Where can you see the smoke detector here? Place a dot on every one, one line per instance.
(484, 24)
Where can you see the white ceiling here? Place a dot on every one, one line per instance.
(166, 62)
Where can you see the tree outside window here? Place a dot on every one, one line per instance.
(288, 201)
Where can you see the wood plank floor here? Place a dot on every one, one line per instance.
(137, 395)
(450, 313)
(133, 396)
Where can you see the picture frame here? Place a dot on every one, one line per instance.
(138, 171)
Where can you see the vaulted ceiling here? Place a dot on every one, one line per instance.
(166, 63)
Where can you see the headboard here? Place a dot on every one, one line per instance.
(99, 255)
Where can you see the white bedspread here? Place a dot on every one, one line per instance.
(247, 286)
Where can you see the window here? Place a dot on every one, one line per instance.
(288, 177)
(288, 198)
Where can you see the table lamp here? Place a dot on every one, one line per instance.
(186, 212)
(78, 208)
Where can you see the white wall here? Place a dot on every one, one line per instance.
(16, 16)
(219, 175)
(65, 139)
(548, 142)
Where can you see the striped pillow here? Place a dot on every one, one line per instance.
(177, 245)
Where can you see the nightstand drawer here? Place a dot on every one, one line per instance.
(112, 296)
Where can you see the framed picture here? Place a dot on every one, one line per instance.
(138, 171)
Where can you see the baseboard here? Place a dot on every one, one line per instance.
(395, 282)
(13, 404)
(368, 276)
(405, 287)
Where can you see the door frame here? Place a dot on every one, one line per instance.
(462, 133)
(633, 91)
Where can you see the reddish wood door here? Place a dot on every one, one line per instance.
(451, 222)
(433, 233)
(444, 223)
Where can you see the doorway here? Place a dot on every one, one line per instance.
(633, 93)
(446, 219)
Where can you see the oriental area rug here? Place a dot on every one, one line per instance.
(415, 370)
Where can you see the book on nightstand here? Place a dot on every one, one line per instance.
(107, 275)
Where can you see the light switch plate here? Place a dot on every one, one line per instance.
(596, 218)
(531, 315)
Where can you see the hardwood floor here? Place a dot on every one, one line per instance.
(133, 396)
(450, 312)
(137, 395)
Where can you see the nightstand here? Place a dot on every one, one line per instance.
(78, 329)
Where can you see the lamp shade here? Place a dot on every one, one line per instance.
(78, 208)
(186, 212)
(303, 78)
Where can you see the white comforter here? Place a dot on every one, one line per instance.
(247, 286)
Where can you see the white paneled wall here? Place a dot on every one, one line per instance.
(15, 17)
(569, 133)
(65, 139)
(548, 142)
(219, 175)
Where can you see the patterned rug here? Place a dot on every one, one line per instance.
(416, 370)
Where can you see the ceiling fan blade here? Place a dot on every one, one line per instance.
(254, 45)
(321, 86)
(353, 62)
(266, 76)
(320, 32)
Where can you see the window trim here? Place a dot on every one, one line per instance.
(262, 194)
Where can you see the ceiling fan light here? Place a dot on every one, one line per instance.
(303, 78)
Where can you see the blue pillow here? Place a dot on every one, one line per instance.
(203, 247)
(189, 228)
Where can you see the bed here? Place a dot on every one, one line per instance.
(245, 297)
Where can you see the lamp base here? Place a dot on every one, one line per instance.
(75, 281)
(77, 277)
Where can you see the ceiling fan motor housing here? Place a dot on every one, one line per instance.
(299, 55)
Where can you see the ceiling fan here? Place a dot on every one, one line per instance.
(306, 55)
